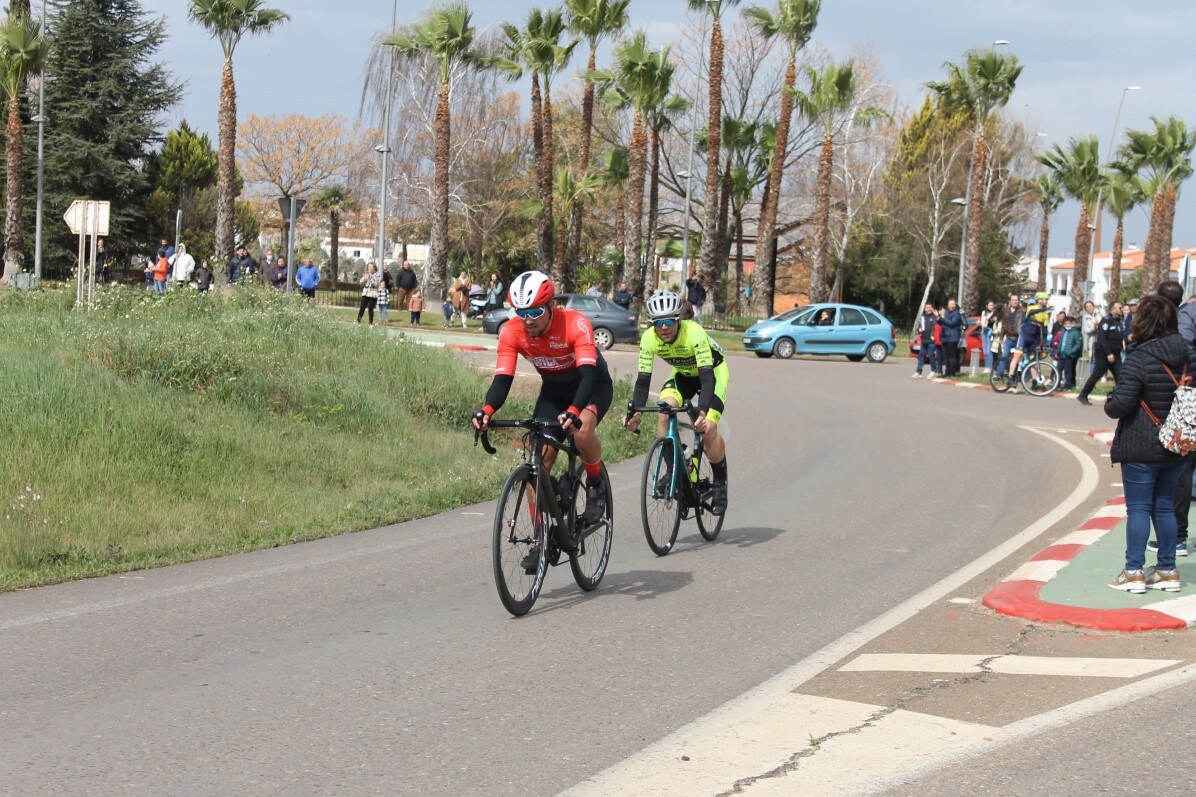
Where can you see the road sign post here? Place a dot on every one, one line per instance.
(87, 217)
(291, 208)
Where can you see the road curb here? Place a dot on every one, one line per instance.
(1018, 595)
(980, 386)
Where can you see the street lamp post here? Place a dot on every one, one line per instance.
(963, 239)
(41, 159)
(1096, 236)
(384, 147)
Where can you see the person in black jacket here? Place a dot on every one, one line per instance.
(1106, 353)
(1140, 402)
(925, 333)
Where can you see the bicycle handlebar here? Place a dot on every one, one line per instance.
(533, 424)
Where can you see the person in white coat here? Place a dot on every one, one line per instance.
(182, 264)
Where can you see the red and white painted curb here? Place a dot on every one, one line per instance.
(1102, 436)
(1018, 594)
(938, 380)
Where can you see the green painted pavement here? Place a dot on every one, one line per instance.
(1083, 581)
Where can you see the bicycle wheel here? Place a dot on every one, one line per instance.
(709, 524)
(1040, 378)
(998, 382)
(518, 527)
(661, 509)
(588, 560)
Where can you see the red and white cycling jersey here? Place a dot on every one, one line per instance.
(566, 345)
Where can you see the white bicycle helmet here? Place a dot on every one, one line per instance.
(531, 289)
(664, 304)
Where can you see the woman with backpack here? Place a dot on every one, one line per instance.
(1141, 402)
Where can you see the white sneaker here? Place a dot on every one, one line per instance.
(987, 371)
(915, 375)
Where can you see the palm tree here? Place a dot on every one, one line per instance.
(1124, 190)
(229, 21)
(335, 200)
(22, 53)
(538, 47)
(616, 171)
(831, 94)
(635, 83)
(708, 254)
(1077, 169)
(1049, 199)
(983, 83)
(595, 21)
(1164, 154)
(794, 20)
(445, 35)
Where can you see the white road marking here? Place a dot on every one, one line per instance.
(765, 713)
(962, 601)
(1007, 664)
(1042, 570)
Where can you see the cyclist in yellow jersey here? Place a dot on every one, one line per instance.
(1037, 319)
(699, 368)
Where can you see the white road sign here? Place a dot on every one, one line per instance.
(89, 213)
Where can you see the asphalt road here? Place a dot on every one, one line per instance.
(383, 662)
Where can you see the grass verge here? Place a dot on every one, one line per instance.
(151, 432)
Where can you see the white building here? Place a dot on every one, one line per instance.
(1060, 274)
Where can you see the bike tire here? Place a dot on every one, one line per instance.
(1040, 378)
(709, 524)
(997, 382)
(588, 561)
(661, 514)
(516, 530)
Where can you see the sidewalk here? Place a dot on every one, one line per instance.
(1066, 582)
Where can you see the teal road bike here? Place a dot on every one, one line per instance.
(678, 482)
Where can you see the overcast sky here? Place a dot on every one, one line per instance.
(1078, 56)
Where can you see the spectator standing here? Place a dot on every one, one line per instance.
(494, 292)
(1174, 292)
(103, 275)
(595, 289)
(161, 272)
(448, 308)
(183, 265)
(371, 283)
(203, 277)
(1071, 345)
(622, 297)
(416, 304)
(925, 333)
(241, 266)
(953, 329)
(986, 333)
(1106, 352)
(307, 277)
(695, 294)
(997, 339)
(384, 290)
(1014, 316)
(278, 278)
(1150, 473)
(267, 264)
(405, 283)
(937, 354)
(461, 287)
(1088, 321)
(1127, 321)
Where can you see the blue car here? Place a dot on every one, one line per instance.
(844, 329)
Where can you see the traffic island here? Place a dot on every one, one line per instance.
(1067, 583)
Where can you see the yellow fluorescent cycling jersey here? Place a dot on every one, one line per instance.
(692, 349)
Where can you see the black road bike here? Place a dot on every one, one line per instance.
(539, 511)
(678, 482)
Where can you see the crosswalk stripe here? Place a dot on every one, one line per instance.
(1006, 664)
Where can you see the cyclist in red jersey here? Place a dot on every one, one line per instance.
(576, 389)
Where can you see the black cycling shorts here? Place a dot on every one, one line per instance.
(555, 398)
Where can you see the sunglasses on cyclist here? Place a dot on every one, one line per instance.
(531, 313)
(665, 323)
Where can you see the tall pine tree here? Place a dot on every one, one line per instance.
(105, 98)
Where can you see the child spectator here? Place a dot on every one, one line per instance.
(203, 277)
(1071, 344)
(449, 309)
(415, 303)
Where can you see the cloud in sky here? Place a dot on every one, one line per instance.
(1078, 56)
